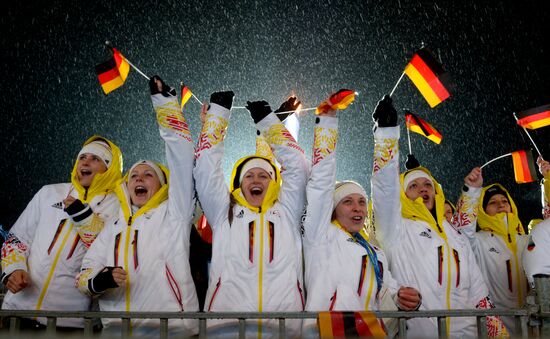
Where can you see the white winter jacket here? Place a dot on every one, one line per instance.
(427, 254)
(47, 243)
(498, 248)
(256, 257)
(339, 274)
(537, 253)
(152, 243)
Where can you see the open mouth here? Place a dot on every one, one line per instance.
(256, 191)
(140, 191)
(85, 172)
(357, 218)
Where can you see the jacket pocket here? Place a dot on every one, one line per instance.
(175, 287)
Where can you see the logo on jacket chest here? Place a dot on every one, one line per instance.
(240, 215)
(426, 233)
(494, 250)
(58, 205)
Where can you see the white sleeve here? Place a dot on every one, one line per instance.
(320, 186)
(294, 166)
(179, 156)
(210, 184)
(15, 249)
(465, 219)
(385, 186)
(95, 260)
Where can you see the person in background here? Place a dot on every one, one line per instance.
(44, 248)
(343, 270)
(537, 250)
(449, 211)
(256, 246)
(140, 262)
(424, 251)
(498, 243)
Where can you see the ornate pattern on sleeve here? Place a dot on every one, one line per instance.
(467, 208)
(81, 281)
(169, 116)
(384, 152)
(324, 143)
(263, 149)
(13, 252)
(279, 135)
(213, 132)
(495, 326)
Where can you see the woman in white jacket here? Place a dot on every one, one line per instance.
(498, 245)
(45, 247)
(343, 271)
(140, 262)
(424, 250)
(257, 253)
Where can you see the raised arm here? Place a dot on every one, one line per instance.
(174, 130)
(210, 184)
(385, 185)
(320, 185)
(467, 207)
(544, 169)
(294, 166)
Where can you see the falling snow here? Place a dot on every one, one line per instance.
(497, 55)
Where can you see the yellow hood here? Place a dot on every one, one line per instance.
(102, 183)
(272, 193)
(497, 223)
(416, 210)
(124, 197)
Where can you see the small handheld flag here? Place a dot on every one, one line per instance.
(417, 125)
(186, 94)
(113, 73)
(339, 100)
(429, 77)
(535, 117)
(524, 170)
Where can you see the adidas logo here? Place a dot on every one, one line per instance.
(425, 234)
(492, 249)
(58, 205)
(241, 214)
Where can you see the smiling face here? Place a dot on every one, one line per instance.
(424, 188)
(143, 183)
(351, 212)
(498, 203)
(254, 186)
(87, 166)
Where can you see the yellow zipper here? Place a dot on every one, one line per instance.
(52, 269)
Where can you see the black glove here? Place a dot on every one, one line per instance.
(258, 110)
(224, 99)
(290, 105)
(77, 207)
(411, 162)
(103, 281)
(166, 91)
(385, 114)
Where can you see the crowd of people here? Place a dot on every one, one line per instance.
(124, 241)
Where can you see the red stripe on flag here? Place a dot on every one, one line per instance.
(430, 77)
(338, 328)
(542, 119)
(108, 76)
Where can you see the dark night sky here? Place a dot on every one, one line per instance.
(496, 53)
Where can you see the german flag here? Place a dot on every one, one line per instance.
(350, 324)
(429, 77)
(535, 117)
(112, 73)
(185, 95)
(417, 125)
(339, 100)
(524, 168)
